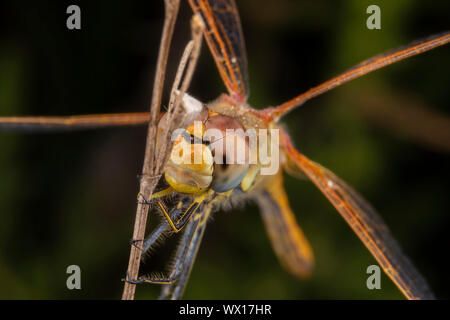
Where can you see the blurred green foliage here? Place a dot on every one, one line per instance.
(69, 198)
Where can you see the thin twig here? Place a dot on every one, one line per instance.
(147, 185)
(197, 27)
(176, 117)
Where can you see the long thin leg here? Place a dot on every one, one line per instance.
(159, 233)
(179, 224)
(184, 218)
(175, 290)
(181, 219)
(156, 236)
(180, 256)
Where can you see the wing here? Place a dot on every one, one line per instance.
(289, 242)
(361, 69)
(367, 224)
(224, 36)
(92, 121)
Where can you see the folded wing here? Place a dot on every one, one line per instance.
(290, 244)
(367, 224)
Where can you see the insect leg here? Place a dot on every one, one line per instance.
(176, 227)
(180, 257)
(159, 233)
(156, 195)
(174, 291)
(150, 240)
(176, 214)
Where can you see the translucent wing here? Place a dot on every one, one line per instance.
(367, 224)
(288, 240)
(91, 121)
(224, 36)
(365, 67)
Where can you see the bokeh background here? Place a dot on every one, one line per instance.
(70, 198)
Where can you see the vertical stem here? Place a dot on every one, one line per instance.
(147, 183)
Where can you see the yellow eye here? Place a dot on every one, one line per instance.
(190, 167)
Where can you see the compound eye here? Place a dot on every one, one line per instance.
(228, 177)
(190, 167)
(230, 149)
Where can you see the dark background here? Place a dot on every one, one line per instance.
(70, 198)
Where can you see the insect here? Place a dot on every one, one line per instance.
(197, 191)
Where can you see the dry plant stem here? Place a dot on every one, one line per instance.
(147, 185)
(175, 114)
(176, 117)
(171, 13)
(171, 115)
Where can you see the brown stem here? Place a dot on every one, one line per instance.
(147, 183)
(176, 117)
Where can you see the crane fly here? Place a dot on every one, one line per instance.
(187, 194)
